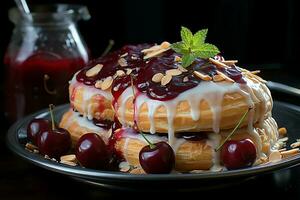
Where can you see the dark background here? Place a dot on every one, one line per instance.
(260, 34)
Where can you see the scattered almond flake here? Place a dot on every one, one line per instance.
(123, 55)
(284, 139)
(156, 78)
(165, 45)
(154, 53)
(134, 57)
(122, 62)
(229, 62)
(275, 156)
(36, 151)
(109, 132)
(202, 76)
(106, 83)
(281, 150)
(178, 59)
(153, 48)
(218, 78)
(174, 72)
(185, 79)
(70, 158)
(295, 144)
(120, 73)
(166, 79)
(225, 77)
(31, 147)
(53, 159)
(182, 68)
(68, 163)
(47, 157)
(282, 131)
(128, 71)
(124, 167)
(98, 84)
(255, 72)
(289, 153)
(94, 70)
(218, 63)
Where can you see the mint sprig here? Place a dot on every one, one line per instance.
(193, 46)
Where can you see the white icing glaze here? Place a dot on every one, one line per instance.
(88, 93)
(214, 140)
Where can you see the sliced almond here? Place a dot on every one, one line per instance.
(225, 77)
(128, 71)
(122, 62)
(134, 58)
(185, 79)
(156, 78)
(295, 144)
(281, 150)
(106, 83)
(36, 151)
(182, 68)
(165, 45)
(151, 49)
(284, 139)
(229, 62)
(282, 131)
(70, 158)
(174, 72)
(202, 76)
(120, 73)
(94, 70)
(255, 72)
(31, 147)
(289, 153)
(166, 79)
(218, 78)
(154, 53)
(124, 167)
(123, 55)
(68, 163)
(275, 156)
(177, 59)
(218, 63)
(98, 84)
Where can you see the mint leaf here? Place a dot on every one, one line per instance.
(206, 51)
(194, 46)
(186, 35)
(180, 47)
(187, 60)
(199, 37)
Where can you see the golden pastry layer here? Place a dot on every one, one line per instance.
(91, 102)
(199, 155)
(232, 107)
(78, 126)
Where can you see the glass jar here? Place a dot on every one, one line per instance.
(45, 50)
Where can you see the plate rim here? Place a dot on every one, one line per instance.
(91, 174)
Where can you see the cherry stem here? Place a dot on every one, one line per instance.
(51, 107)
(234, 130)
(46, 78)
(111, 43)
(134, 121)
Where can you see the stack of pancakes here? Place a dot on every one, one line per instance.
(152, 95)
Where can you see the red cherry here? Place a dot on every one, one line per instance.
(91, 151)
(36, 127)
(159, 159)
(54, 143)
(238, 154)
